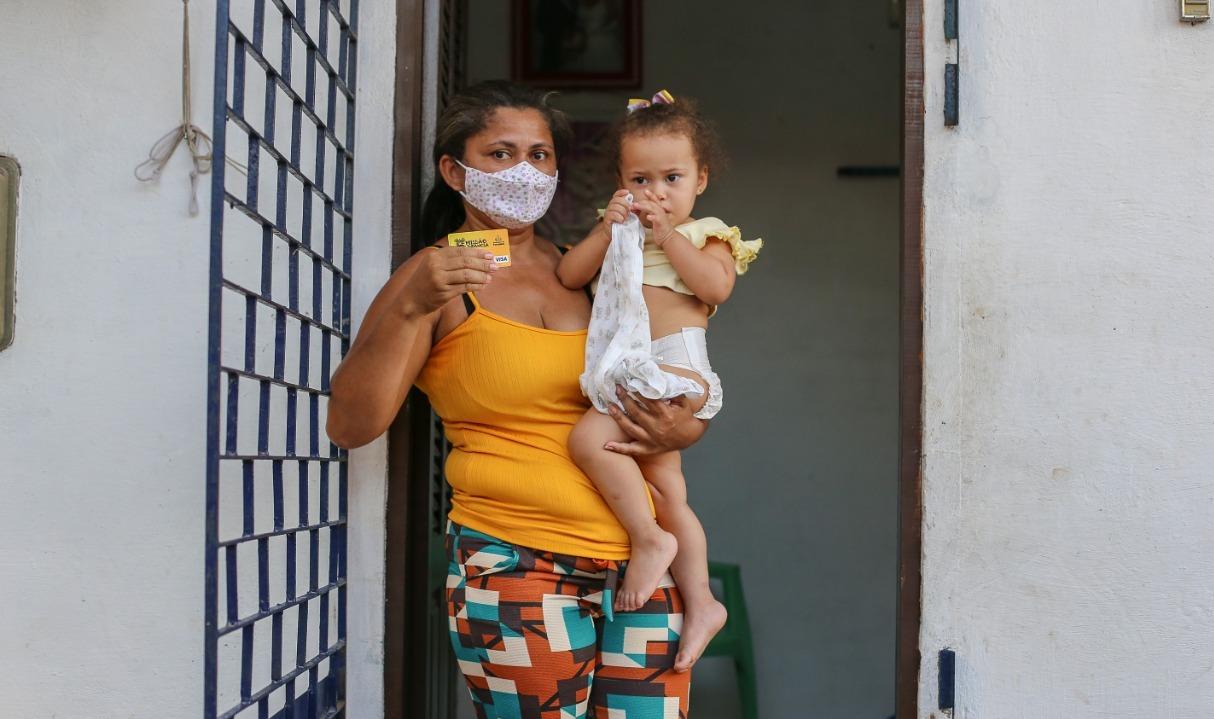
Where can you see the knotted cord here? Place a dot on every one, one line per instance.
(196, 140)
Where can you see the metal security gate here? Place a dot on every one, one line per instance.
(276, 487)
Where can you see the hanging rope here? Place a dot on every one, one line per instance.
(196, 140)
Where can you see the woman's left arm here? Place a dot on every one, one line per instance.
(655, 426)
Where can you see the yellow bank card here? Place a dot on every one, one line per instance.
(495, 241)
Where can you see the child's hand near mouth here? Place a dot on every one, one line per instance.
(654, 216)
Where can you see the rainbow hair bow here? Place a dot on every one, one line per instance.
(663, 97)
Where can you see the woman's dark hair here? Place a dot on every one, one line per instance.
(681, 117)
(465, 115)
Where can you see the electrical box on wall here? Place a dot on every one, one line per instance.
(1194, 11)
(9, 174)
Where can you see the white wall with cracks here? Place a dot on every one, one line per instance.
(1069, 352)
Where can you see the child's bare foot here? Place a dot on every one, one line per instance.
(700, 625)
(651, 557)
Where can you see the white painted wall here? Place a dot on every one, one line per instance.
(796, 481)
(102, 394)
(1069, 358)
(372, 262)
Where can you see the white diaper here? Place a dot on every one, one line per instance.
(688, 349)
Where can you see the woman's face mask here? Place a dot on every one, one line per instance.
(512, 198)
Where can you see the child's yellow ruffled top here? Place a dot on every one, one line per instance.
(660, 273)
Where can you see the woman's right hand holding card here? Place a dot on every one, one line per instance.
(441, 275)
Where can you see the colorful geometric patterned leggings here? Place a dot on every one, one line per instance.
(535, 636)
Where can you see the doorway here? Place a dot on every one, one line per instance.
(820, 108)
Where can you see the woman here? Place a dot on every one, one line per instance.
(535, 553)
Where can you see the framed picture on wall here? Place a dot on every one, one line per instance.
(577, 43)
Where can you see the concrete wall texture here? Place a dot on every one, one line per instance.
(102, 394)
(1069, 361)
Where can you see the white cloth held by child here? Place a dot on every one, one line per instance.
(618, 344)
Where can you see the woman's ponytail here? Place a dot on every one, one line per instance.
(442, 212)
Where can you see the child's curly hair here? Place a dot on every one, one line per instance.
(681, 117)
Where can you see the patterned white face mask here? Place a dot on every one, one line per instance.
(512, 198)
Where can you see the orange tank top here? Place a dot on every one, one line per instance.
(508, 396)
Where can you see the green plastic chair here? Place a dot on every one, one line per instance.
(734, 638)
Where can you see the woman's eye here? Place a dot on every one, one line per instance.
(501, 155)
(539, 155)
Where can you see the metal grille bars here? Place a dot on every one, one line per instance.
(276, 488)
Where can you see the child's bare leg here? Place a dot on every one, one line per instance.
(703, 615)
(619, 480)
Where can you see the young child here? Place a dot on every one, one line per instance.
(663, 151)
